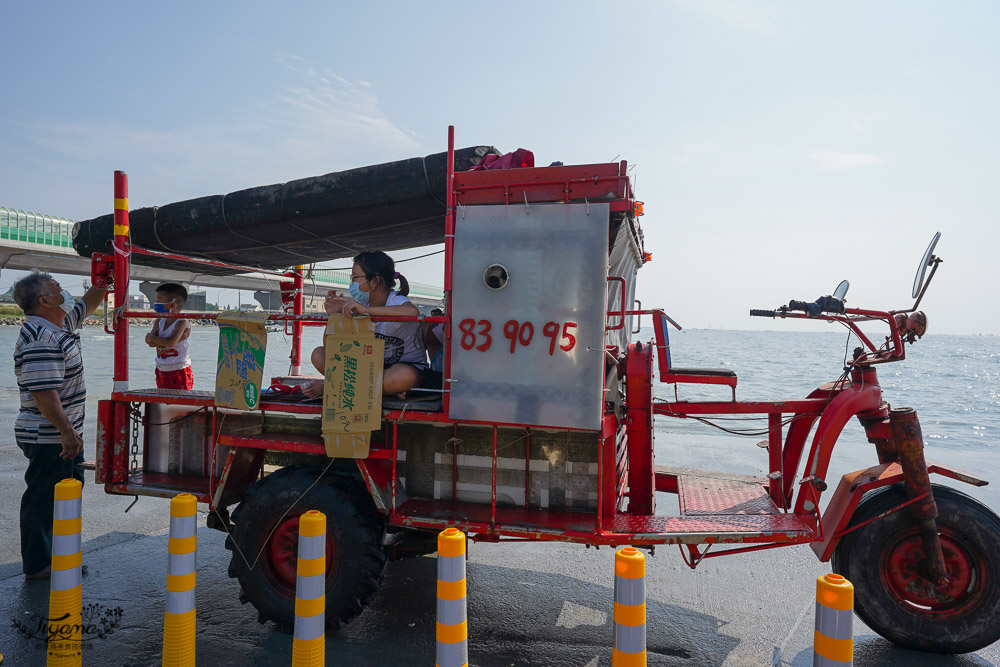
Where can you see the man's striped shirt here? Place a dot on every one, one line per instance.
(48, 357)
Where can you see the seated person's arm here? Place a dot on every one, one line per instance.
(403, 309)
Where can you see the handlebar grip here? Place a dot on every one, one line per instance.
(762, 313)
(799, 305)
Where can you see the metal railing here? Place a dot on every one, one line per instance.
(28, 227)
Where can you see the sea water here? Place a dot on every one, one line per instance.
(952, 381)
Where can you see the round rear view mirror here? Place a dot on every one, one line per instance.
(841, 290)
(918, 280)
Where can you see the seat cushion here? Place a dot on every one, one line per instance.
(703, 372)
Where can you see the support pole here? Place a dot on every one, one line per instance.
(449, 245)
(66, 586)
(309, 642)
(630, 609)
(179, 618)
(452, 624)
(833, 639)
(122, 259)
(297, 306)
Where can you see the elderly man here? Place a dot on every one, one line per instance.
(49, 427)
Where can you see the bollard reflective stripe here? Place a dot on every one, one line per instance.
(452, 654)
(629, 647)
(64, 580)
(451, 568)
(834, 623)
(310, 627)
(820, 661)
(451, 612)
(67, 509)
(310, 588)
(183, 526)
(66, 583)
(452, 628)
(309, 635)
(630, 591)
(179, 618)
(833, 637)
(312, 546)
(63, 545)
(180, 603)
(179, 564)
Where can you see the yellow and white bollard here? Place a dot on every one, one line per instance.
(66, 586)
(179, 619)
(630, 609)
(833, 640)
(309, 642)
(452, 623)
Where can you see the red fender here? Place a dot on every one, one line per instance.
(853, 485)
(841, 410)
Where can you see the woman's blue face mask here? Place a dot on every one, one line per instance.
(356, 293)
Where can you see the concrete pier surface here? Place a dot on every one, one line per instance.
(528, 603)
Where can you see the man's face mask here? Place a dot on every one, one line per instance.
(68, 301)
(162, 307)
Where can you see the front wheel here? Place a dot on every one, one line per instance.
(892, 594)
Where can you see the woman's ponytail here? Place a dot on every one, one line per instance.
(404, 286)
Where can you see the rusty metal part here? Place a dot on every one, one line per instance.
(916, 480)
(876, 425)
(912, 326)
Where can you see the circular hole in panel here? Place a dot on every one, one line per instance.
(495, 276)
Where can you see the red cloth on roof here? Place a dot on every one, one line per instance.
(522, 157)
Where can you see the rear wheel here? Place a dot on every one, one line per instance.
(892, 594)
(264, 543)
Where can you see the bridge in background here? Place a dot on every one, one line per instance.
(35, 241)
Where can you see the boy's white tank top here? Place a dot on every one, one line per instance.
(171, 358)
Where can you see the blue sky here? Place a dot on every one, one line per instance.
(779, 146)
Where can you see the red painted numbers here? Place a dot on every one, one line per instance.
(469, 337)
(518, 333)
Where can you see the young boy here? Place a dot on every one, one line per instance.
(169, 337)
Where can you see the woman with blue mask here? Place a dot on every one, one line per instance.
(373, 292)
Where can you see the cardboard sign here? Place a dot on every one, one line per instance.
(242, 343)
(352, 392)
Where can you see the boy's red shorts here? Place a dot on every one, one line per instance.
(179, 379)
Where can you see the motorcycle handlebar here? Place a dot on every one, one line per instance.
(799, 305)
(762, 313)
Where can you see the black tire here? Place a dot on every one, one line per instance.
(884, 561)
(355, 554)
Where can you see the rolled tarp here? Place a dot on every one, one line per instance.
(387, 207)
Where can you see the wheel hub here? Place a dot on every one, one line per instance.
(283, 548)
(906, 573)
